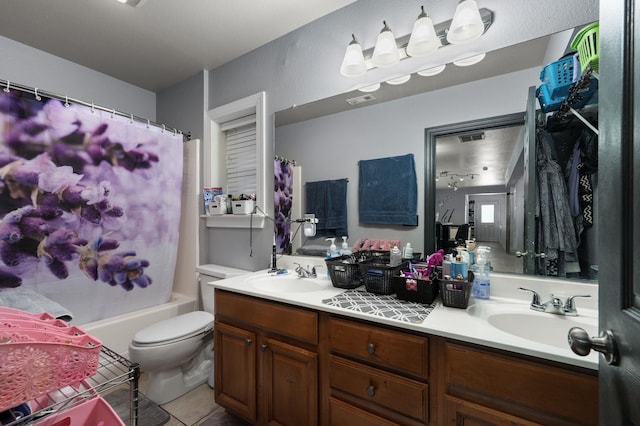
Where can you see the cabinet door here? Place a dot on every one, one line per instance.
(463, 413)
(289, 384)
(235, 370)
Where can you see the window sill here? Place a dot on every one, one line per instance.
(235, 221)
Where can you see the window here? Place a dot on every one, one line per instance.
(487, 213)
(236, 157)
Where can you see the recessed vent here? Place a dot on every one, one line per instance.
(361, 99)
(470, 137)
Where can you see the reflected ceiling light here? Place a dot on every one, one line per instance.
(471, 60)
(399, 80)
(370, 88)
(133, 3)
(353, 62)
(430, 72)
(424, 39)
(385, 53)
(466, 24)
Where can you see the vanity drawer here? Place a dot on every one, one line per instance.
(520, 386)
(386, 348)
(389, 391)
(343, 414)
(285, 320)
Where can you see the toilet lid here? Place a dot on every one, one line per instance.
(177, 328)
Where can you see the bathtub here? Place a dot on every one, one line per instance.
(117, 332)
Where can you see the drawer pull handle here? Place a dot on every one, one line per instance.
(263, 347)
(248, 341)
(371, 348)
(371, 391)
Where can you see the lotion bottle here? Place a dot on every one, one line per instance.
(345, 247)
(407, 252)
(481, 288)
(396, 256)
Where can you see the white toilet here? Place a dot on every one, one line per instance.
(177, 353)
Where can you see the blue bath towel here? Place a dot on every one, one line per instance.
(327, 199)
(388, 191)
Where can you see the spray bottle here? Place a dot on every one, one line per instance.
(481, 288)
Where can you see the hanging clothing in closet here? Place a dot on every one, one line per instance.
(556, 232)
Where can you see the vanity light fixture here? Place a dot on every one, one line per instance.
(430, 72)
(470, 60)
(399, 80)
(466, 24)
(423, 39)
(385, 53)
(388, 50)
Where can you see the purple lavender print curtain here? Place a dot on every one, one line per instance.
(89, 206)
(283, 196)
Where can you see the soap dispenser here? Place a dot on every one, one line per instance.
(481, 288)
(332, 251)
(407, 253)
(345, 247)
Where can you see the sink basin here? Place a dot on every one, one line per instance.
(289, 283)
(518, 320)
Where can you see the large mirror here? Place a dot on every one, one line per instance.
(469, 143)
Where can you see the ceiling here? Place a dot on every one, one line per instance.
(160, 42)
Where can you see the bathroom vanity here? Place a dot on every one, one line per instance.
(284, 357)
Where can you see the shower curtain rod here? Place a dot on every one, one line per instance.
(8, 85)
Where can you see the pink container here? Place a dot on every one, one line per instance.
(18, 313)
(93, 412)
(38, 361)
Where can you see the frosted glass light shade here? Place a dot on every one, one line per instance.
(399, 80)
(429, 72)
(471, 60)
(423, 40)
(370, 88)
(467, 23)
(353, 62)
(385, 53)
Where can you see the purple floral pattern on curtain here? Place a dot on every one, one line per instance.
(89, 206)
(282, 197)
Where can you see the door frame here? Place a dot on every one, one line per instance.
(430, 135)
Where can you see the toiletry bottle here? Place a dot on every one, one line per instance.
(345, 247)
(446, 266)
(481, 288)
(407, 252)
(332, 252)
(396, 256)
(459, 269)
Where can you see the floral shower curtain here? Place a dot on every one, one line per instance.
(89, 206)
(283, 199)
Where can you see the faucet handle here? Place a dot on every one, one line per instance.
(535, 301)
(569, 306)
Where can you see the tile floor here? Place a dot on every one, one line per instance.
(195, 408)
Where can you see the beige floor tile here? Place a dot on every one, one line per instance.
(193, 406)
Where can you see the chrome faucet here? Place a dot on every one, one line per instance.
(305, 273)
(554, 305)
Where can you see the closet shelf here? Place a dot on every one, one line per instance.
(113, 371)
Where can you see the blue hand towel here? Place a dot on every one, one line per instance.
(388, 191)
(327, 199)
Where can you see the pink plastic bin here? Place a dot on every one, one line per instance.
(93, 412)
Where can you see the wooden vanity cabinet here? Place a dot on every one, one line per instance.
(266, 361)
(375, 375)
(492, 387)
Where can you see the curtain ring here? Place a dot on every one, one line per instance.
(66, 101)
(35, 91)
(8, 88)
(131, 119)
(93, 108)
(163, 128)
(113, 112)
(148, 123)
(175, 132)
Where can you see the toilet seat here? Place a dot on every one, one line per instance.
(175, 329)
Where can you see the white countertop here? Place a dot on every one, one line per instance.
(467, 325)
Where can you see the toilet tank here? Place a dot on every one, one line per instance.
(211, 272)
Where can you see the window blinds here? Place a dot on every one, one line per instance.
(241, 158)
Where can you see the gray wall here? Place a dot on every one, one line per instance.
(32, 67)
